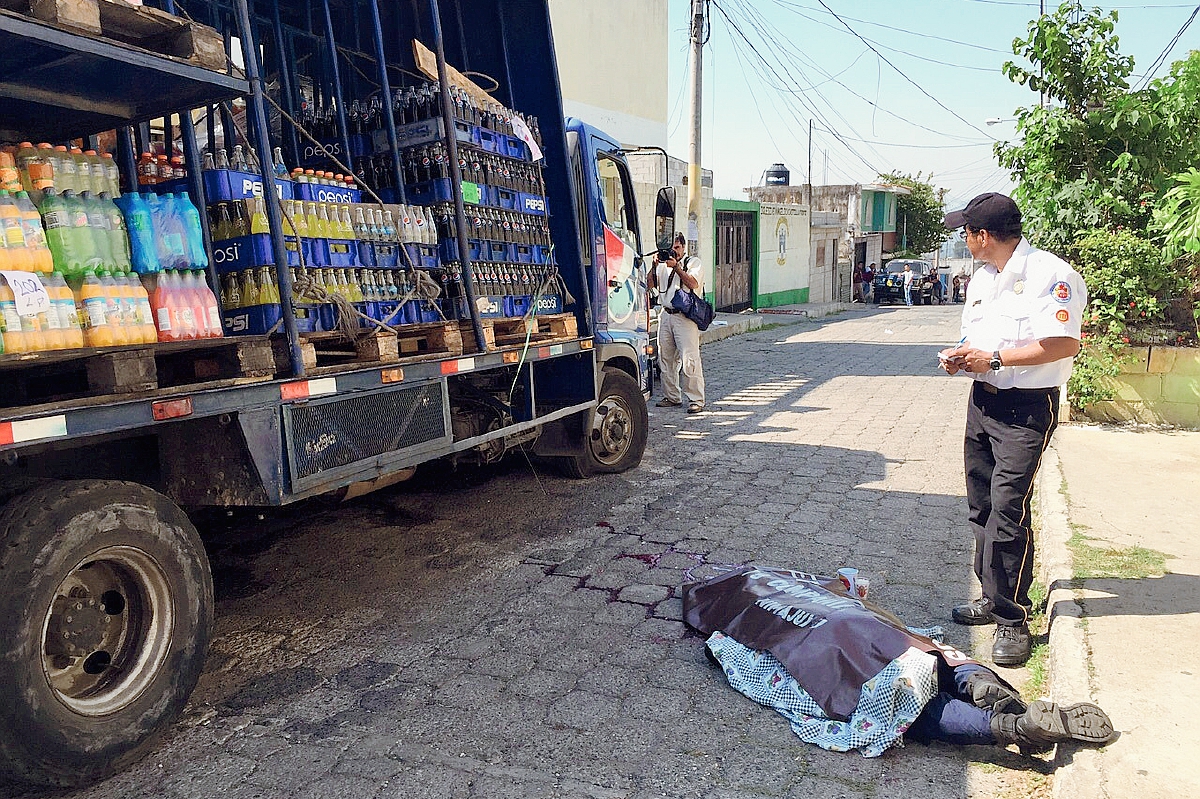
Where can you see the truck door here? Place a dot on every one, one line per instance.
(624, 295)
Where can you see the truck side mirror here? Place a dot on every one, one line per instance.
(664, 218)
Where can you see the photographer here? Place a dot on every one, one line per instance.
(678, 336)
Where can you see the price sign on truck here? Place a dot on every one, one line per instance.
(29, 293)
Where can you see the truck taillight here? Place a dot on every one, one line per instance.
(171, 409)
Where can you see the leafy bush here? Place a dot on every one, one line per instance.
(1099, 359)
(1130, 282)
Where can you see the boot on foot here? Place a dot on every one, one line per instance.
(1046, 723)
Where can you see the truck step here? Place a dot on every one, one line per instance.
(148, 28)
(513, 331)
(53, 376)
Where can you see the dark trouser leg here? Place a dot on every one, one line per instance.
(1019, 428)
(953, 721)
(978, 463)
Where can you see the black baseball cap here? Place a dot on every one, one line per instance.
(992, 212)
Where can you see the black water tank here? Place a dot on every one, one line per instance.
(778, 175)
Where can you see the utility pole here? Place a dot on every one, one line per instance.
(809, 175)
(697, 40)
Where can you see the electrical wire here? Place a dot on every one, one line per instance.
(1162, 57)
(789, 4)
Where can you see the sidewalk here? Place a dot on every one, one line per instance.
(732, 324)
(1130, 644)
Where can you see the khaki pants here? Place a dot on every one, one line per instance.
(679, 346)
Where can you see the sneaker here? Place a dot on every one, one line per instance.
(668, 403)
(977, 611)
(1012, 645)
(695, 407)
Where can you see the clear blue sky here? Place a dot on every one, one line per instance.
(931, 122)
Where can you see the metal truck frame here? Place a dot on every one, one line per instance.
(106, 609)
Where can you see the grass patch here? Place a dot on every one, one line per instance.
(1038, 667)
(1131, 563)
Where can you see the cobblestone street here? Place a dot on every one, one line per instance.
(518, 634)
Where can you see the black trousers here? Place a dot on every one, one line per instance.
(1007, 432)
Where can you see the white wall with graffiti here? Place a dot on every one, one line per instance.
(783, 273)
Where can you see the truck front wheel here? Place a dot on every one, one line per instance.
(105, 615)
(615, 438)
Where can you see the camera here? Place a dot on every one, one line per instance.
(665, 255)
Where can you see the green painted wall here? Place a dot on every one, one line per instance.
(738, 205)
(775, 299)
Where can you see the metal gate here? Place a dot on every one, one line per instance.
(734, 253)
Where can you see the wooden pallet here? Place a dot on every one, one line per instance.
(140, 26)
(333, 348)
(514, 331)
(41, 377)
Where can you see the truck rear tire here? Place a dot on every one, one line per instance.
(615, 437)
(105, 619)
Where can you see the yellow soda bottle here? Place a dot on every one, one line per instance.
(145, 314)
(19, 256)
(268, 292)
(63, 302)
(113, 311)
(250, 291)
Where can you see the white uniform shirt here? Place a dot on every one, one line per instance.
(663, 274)
(1037, 295)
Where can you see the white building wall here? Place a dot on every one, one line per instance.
(650, 172)
(783, 248)
(612, 64)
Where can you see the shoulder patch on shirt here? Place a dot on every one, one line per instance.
(1062, 293)
(1062, 315)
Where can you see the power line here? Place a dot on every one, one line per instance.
(918, 86)
(918, 34)
(1162, 57)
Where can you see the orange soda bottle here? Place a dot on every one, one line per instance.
(10, 321)
(35, 234)
(62, 302)
(145, 314)
(91, 300)
(112, 307)
(19, 256)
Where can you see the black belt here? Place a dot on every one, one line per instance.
(672, 310)
(1016, 392)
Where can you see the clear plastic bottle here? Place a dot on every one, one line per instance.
(35, 235)
(91, 300)
(19, 257)
(145, 313)
(114, 310)
(10, 320)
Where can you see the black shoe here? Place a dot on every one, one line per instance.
(695, 407)
(1046, 723)
(1012, 645)
(989, 692)
(977, 611)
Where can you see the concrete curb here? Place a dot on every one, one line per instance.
(1079, 771)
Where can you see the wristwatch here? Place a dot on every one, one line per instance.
(995, 362)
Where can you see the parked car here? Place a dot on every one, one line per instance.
(926, 288)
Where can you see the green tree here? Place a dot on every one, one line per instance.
(1097, 154)
(919, 215)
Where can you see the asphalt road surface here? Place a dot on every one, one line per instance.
(515, 633)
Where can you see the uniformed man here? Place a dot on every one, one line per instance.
(1021, 330)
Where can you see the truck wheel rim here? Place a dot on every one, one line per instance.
(611, 430)
(107, 631)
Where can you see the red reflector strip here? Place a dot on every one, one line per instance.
(33, 429)
(543, 352)
(172, 409)
(460, 365)
(303, 389)
(392, 376)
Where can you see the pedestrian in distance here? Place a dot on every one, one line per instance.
(868, 278)
(908, 283)
(678, 336)
(1020, 334)
(857, 284)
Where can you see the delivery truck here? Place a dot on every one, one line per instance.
(537, 338)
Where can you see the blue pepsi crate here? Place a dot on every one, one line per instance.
(454, 308)
(549, 304)
(505, 198)
(492, 307)
(366, 254)
(342, 252)
(428, 192)
(326, 316)
(491, 141)
(326, 194)
(423, 256)
(531, 203)
(449, 249)
(306, 317)
(245, 252)
(221, 185)
(541, 254)
(500, 252)
(424, 132)
(253, 321)
(518, 304)
(426, 311)
(523, 253)
(386, 255)
(514, 147)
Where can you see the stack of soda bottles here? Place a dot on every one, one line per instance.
(60, 220)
